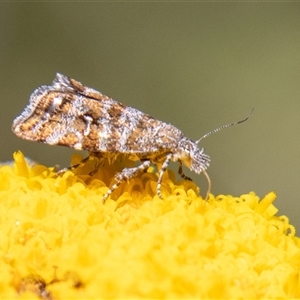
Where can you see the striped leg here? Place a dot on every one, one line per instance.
(73, 167)
(180, 172)
(126, 174)
(161, 173)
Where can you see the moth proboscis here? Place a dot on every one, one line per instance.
(71, 114)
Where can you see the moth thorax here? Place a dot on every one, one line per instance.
(191, 156)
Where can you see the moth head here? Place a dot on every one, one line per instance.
(192, 156)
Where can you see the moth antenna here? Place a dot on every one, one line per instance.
(225, 126)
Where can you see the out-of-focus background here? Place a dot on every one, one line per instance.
(195, 65)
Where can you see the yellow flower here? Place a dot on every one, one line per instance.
(59, 241)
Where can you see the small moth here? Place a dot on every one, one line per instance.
(71, 114)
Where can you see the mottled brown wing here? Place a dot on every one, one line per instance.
(70, 114)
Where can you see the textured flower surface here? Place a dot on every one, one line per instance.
(59, 241)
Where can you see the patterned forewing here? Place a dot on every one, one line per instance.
(124, 129)
(70, 114)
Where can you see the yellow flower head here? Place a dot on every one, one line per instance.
(59, 241)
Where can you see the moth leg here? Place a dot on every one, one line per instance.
(161, 173)
(180, 172)
(73, 166)
(127, 174)
(83, 161)
(209, 185)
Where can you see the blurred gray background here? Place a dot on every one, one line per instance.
(195, 65)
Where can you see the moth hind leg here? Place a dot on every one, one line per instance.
(82, 163)
(70, 168)
(180, 172)
(126, 174)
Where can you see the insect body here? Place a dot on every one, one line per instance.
(70, 114)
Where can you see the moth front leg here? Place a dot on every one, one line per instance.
(126, 174)
(180, 172)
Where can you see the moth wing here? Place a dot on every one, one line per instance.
(120, 128)
(71, 114)
(136, 132)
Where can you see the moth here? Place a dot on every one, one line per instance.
(71, 114)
